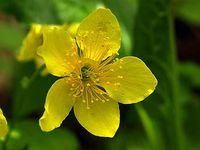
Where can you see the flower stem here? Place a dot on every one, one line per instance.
(152, 134)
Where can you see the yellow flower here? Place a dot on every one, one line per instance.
(3, 124)
(92, 82)
(34, 39)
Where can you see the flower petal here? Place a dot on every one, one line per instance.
(101, 119)
(129, 80)
(58, 51)
(30, 44)
(57, 106)
(98, 36)
(71, 28)
(3, 125)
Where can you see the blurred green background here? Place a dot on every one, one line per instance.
(165, 34)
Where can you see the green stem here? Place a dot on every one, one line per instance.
(152, 134)
(26, 85)
(175, 83)
(23, 90)
(35, 75)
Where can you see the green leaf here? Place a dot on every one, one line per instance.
(190, 80)
(129, 139)
(40, 11)
(189, 10)
(27, 135)
(10, 37)
(190, 72)
(154, 44)
(150, 128)
(74, 10)
(29, 96)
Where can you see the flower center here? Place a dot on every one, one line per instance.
(85, 72)
(88, 76)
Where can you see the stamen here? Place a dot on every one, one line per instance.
(107, 82)
(87, 75)
(120, 77)
(117, 84)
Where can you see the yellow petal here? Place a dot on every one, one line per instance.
(71, 28)
(101, 119)
(129, 80)
(98, 36)
(57, 106)
(30, 44)
(58, 51)
(3, 125)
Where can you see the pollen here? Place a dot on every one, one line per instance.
(87, 77)
(120, 77)
(117, 84)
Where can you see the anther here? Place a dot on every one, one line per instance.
(88, 84)
(120, 67)
(120, 77)
(120, 60)
(117, 84)
(112, 70)
(107, 82)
